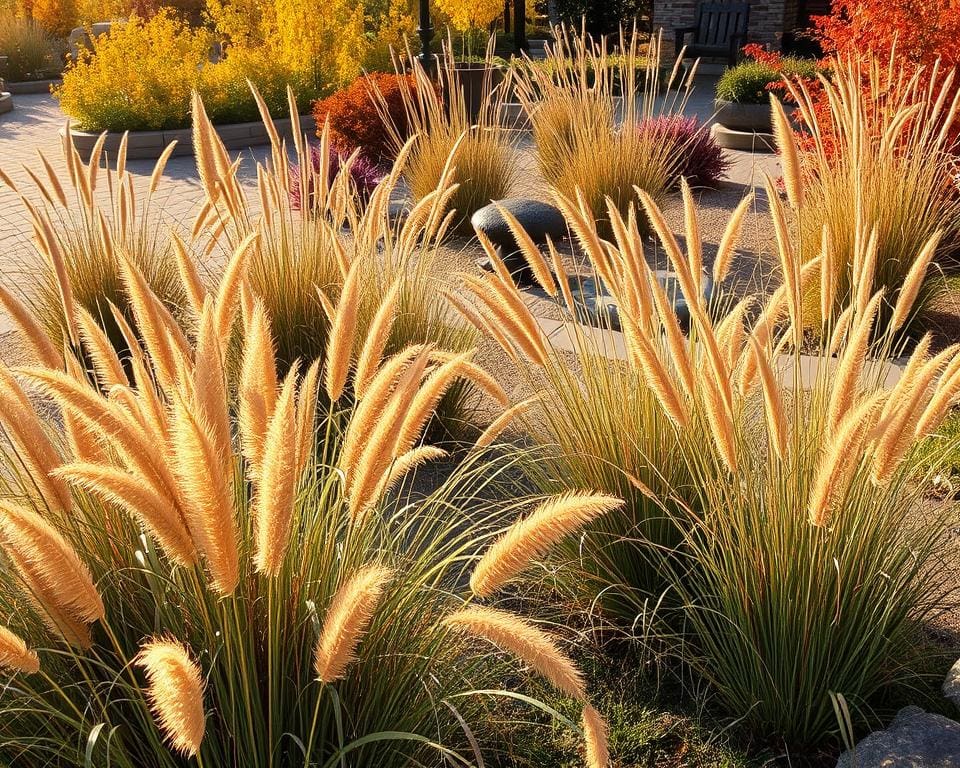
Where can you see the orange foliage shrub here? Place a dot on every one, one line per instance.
(354, 120)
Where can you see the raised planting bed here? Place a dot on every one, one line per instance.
(150, 144)
(26, 87)
(742, 126)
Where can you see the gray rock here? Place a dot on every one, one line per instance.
(951, 685)
(915, 739)
(596, 307)
(540, 220)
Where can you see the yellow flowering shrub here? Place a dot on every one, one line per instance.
(56, 17)
(393, 28)
(140, 75)
(466, 15)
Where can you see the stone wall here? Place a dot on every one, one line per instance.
(769, 19)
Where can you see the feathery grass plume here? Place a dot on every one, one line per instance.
(25, 430)
(729, 240)
(504, 420)
(828, 275)
(533, 536)
(258, 384)
(530, 252)
(595, 739)
(676, 342)
(425, 402)
(175, 692)
(307, 415)
(370, 410)
(408, 462)
(789, 155)
(941, 401)
(102, 353)
(913, 282)
(31, 331)
(205, 486)
(15, 655)
(375, 343)
(347, 620)
(51, 562)
(277, 480)
(777, 426)
(896, 434)
(140, 450)
(840, 459)
(343, 332)
(502, 304)
(692, 232)
(381, 445)
(655, 374)
(228, 294)
(138, 496)
(209, 391)
(196, 291)
(847, 377)
(519, 637)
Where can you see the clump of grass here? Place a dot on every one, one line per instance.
(79, 232)
(586, 111)
(766, 504)
(216, 565)
(298, 261)
(31, 53)
(877, 163)
(475, 152)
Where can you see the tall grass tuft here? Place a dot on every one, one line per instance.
(768, 494)
(241, 572)
(588, 108)
(876, 159)
(81, 224)
(475, 152)
(299, 260)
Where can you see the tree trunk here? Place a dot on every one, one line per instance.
(506, 16)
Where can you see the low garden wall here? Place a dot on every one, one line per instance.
(150, 144)
(31, 86)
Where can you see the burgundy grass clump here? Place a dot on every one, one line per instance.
(364, 174)
(696, 156)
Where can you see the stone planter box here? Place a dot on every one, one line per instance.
(743, 117)
(150, 144)
(32, 86)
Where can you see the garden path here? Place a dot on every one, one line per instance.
(33, 127)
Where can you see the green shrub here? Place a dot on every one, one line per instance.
(749, 81)
(31, 53)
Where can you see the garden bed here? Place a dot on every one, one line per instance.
(150, 144)
(28, 87)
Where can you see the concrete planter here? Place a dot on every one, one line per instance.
(32, 86)
(743, 117)
(6, 102)
(150, 144)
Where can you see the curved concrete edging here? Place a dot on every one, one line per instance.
(149, 145)
(6, 103)
(26, 87)
(749, 141)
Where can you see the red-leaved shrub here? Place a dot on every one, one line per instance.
(355, 122)
(694, 153)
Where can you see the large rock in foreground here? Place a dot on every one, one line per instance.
(915, 739)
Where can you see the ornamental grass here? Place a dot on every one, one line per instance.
(587, 109)
(877, 163)
(768, 484)
(205, 559)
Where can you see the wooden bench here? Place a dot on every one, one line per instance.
(720, 30)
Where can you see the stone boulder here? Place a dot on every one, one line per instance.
(915, 739)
